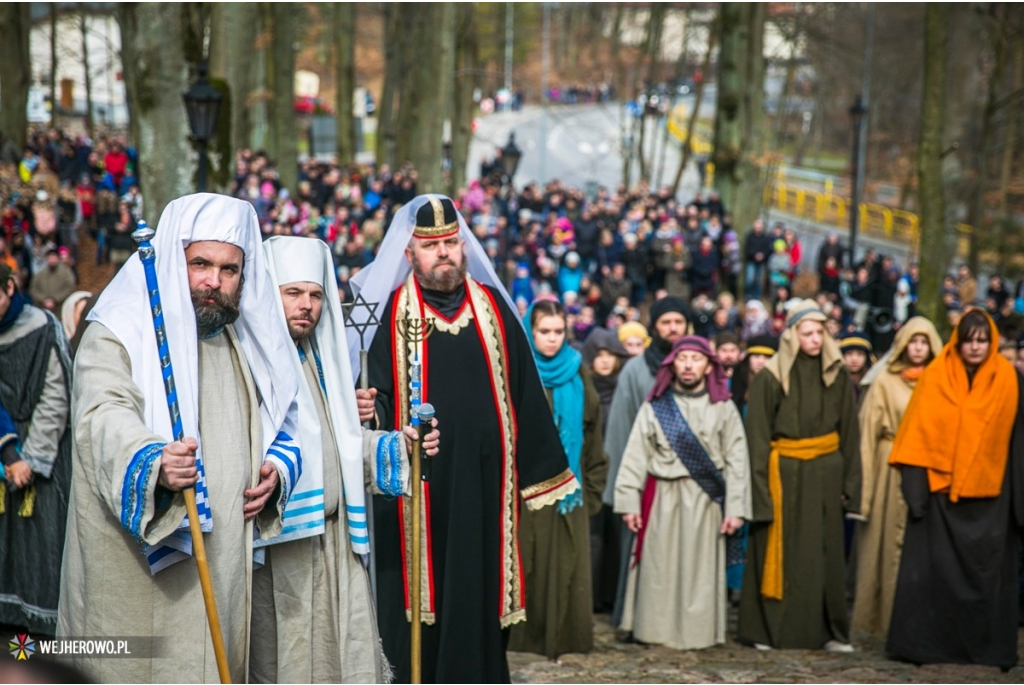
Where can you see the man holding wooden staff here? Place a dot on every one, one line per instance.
(126, 568)
(501, 448)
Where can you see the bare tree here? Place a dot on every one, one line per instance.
(53, 63)
(393, 77)
(281, 73)
(345, 78)
(935, 237)
(151, 33)
(467, 55)
(15, 74)
(738, 120)
(691, 125)
(83, 27)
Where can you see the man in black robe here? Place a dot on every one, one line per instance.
(35, 456)
(501, 447)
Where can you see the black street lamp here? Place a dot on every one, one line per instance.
(510, 156)
(202, 102)
(857, 122)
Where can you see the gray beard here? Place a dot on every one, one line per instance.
(446, 282)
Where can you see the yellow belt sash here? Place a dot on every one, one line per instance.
(804, 449)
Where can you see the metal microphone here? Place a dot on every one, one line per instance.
(426, 416)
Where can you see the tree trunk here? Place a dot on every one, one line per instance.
(467, 59)
(151, 33)
(616, 40)
(282, 129)
(691, 125)
(233, 28)
(651, 52)
(393, 64)
(88, 76)
(1004, 222)
(427, 95)
(345, 78)
(936, 248)
(127, 21)
(53, 63)
(740, 114)
(15, 70)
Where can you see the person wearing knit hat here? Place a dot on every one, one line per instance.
(805, 463)
(670, 320)
(684, 489)
(634, 337)
(857, 356)
(760, 349)
(727, 348)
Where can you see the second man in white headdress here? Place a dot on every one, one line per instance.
(313, 614)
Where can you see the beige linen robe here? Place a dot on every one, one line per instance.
(313, 614)
(106, 587)
(883, 511)
(676, 596)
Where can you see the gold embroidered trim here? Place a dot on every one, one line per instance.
(426, 617)
(456, 326)
(516, 616)
(408, 305)
(550, 491)
(512, 590)
(438, 211)
(436, 231)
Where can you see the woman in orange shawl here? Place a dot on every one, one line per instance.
(960, 449)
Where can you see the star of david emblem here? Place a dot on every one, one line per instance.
(371, 315)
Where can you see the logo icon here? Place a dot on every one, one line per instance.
(22, 647)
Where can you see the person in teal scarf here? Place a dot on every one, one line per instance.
(555, 542)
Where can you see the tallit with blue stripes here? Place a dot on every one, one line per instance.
(296, 260)
(124, 309)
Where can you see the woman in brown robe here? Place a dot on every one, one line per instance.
(555, 541)
(882, 508)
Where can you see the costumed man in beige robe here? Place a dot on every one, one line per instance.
(313, 615)
(683, 487)
(127, 570)
(883, 509)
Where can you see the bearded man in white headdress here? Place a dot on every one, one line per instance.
(313, 615)
(127, 568)
(501, 447)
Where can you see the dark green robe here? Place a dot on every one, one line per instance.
(556, 554)
(815, 495)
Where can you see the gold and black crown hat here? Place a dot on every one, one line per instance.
(436, 219)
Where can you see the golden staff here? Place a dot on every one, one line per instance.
(415, 330)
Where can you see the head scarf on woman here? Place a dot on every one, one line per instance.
(959, 428)
(789, 346)
(561, 375)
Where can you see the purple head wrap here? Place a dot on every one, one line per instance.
(717, 380)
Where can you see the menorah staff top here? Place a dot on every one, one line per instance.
(415, 329)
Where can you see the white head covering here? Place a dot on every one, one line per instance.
(124, 309)
(290, 260)
(390, 269)
(67, 311)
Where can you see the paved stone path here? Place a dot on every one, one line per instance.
(614, 661)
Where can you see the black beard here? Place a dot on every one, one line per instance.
(220, 313)
(663, 345)
(446, 281)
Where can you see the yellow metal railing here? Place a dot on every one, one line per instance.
(824, 207)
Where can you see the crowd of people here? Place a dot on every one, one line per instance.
(651, 417)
